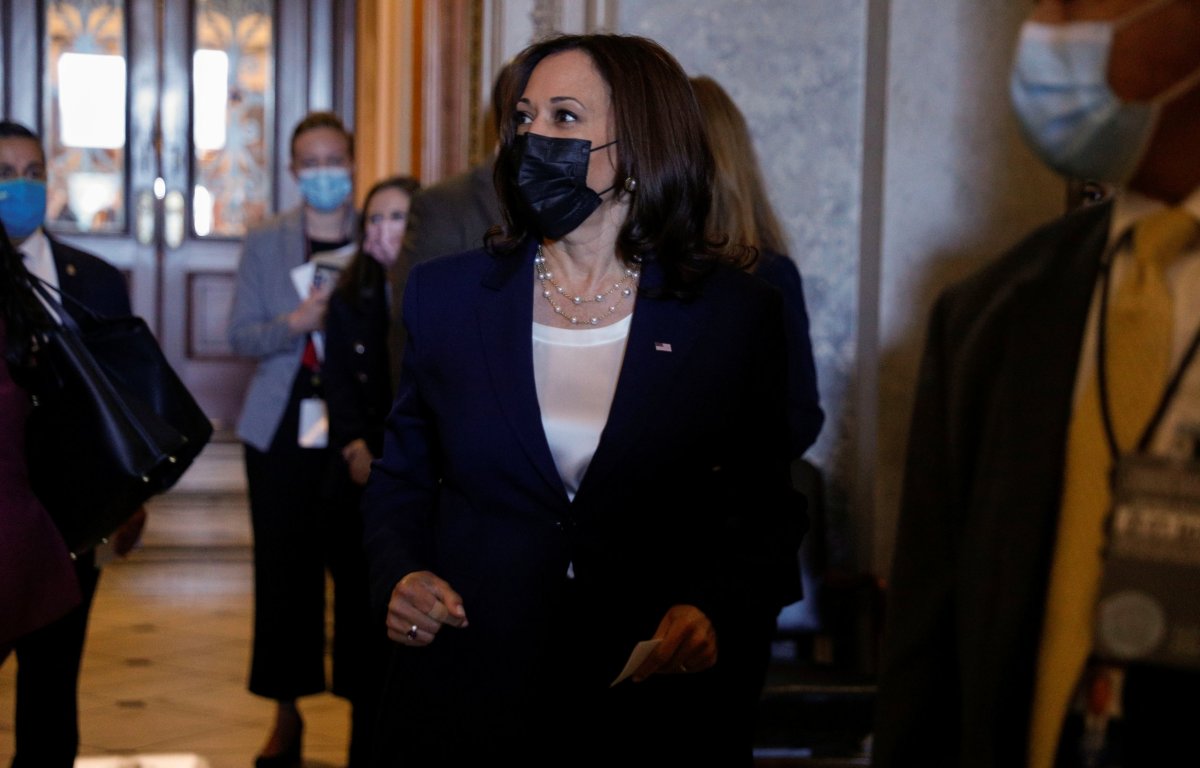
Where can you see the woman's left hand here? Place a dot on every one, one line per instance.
(358, 460)
(688, 643)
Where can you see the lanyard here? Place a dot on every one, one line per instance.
(1172, 388)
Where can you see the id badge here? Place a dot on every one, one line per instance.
(314, 423)
(1149, 606)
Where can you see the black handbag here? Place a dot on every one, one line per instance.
(112, 423)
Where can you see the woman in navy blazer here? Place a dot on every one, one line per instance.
(589, 446)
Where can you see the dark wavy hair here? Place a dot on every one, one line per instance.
(22, 314)
(661, 144)
(363, 276)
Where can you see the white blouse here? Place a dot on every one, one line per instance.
(575, 372)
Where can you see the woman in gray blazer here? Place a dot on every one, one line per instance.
(287, 462)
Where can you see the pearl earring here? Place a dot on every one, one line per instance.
(630, 184)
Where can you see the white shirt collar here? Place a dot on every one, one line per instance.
(38, 258)
(1129, 206)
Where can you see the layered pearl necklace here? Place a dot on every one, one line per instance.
(589, 306)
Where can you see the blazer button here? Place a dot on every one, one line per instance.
(362, 378)
(359, 348)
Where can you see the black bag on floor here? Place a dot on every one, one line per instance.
(112, 423)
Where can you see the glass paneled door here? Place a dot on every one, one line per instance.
(166, 126)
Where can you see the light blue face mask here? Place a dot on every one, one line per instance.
(22, 206)
(1069, 114)
(325, 188)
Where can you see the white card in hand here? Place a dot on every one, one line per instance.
(314, 423)
(640, 652)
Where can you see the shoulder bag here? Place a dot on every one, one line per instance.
(112, 423)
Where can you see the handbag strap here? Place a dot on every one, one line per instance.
(53, 297)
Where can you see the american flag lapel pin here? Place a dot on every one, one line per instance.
(662, 346)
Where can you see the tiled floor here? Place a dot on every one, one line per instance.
(168, 649)
(168, 646)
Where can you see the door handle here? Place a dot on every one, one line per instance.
(173, 213)
(144, 217)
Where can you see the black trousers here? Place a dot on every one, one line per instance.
(48, 660)
(305, 518)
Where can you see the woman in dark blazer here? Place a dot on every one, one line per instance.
(358, 384)
(589, 446)
(359, 391)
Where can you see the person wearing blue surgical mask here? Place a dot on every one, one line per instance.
(22, 206)
(1071, 115)
(1013, 636)
(278, 316)
(22, 182)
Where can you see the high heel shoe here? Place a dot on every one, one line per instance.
(289, 757)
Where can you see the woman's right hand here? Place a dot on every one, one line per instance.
(310, 315)
(422, 604)
(378, 250)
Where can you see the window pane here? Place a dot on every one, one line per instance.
(85, 115)
(231, 92)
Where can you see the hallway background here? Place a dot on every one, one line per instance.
(883, 127)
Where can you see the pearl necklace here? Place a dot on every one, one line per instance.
(623, 289)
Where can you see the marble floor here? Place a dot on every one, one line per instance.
(168, 647)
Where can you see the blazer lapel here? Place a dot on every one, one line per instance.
(68, 270)
(664, 332)
(505, 315)
(1048, 331)
(1036, 392)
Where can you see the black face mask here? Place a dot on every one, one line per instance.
(551, 175)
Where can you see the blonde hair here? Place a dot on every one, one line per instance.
(740, 207)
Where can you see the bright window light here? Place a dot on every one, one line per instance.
(202, 207)
(210, 89)
(91, 100)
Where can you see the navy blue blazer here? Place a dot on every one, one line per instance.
(90, 280)
(804, 403)
(687, 499)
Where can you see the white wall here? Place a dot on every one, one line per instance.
(960, 187)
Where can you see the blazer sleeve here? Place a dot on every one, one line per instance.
(338, 374)
(779, 520)
(805, 417)
(256, 329)
(398, 501)
(450, 217)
